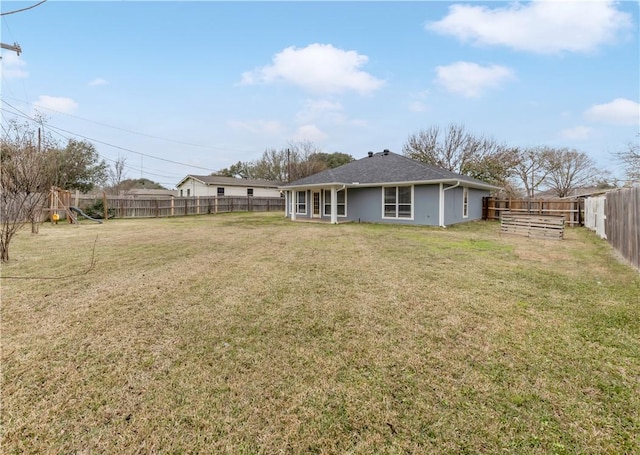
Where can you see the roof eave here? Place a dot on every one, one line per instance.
(477, 185)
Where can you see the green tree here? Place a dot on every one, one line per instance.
(333, 160)
(78, 166)
(134, 184)
(298, 160)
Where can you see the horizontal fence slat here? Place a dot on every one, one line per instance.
(533, 226)
(160, 207)
(570, 209)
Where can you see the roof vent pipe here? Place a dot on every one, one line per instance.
(370, 154)
(385, 152)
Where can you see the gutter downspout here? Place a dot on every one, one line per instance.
(441, 201)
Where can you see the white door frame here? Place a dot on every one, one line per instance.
(313, 204)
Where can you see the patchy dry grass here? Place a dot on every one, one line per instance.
(247, 333)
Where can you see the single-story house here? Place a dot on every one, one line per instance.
(216, 185)
(387, 188)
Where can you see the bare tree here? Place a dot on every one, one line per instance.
(631, 159)
(458, 150)
(304, 160)
(568, 169)
(531, 168)
(117, 173)
(24, 182)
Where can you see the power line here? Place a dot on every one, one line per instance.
(127, 130)
(107, 143)
(23, 9)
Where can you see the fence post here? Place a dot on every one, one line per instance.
(105, 209)
(172, 206)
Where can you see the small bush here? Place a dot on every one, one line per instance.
(96, 210)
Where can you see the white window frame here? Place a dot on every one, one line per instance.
(326, 203)
(301, 204)
(218, 191)
(396, 217)
(249, 192)
(465, 202)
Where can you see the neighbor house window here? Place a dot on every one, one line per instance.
(397, 202)
(180, 193)
(249, 191)
(465, 202)
(341, 202)
(188, 192)
(301, 202)
(221, 191)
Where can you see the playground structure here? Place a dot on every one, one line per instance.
(60, 207)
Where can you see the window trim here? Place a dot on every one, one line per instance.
(218, 191)
(396, 217)
(465, 202)
(298, 203)
(327, 205)
(249, 192)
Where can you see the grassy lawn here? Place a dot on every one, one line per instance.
(247, 333)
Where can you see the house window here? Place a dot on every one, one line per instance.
(220, 191)
(249, 191)
(188, 192)
(397, 202)
(301, 202)
(465, 202)
(180, 193)
(341, 202)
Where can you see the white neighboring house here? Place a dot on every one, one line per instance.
(216, 185)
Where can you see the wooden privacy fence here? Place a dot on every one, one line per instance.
(156, 207)
(532, 226)
(569, 209)
(622, 222)
(594, 217)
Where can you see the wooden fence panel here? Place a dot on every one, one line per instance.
(570, 209)
(532, 225)
(622, 223)
(594, 217)
(159, 207)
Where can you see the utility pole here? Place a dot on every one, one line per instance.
(15, 47)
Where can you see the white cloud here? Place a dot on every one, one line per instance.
(56, 103)
(620, 111)
(98, 81)
(539, 26)
(319, 68)
(12, 66)
(578, 133)
(258, 126)
(470, 79)
(417, 106)
(314, 110)
(309, 133)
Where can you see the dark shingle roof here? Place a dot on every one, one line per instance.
(231, 181)
(384, 168)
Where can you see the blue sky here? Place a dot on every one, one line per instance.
(182, 88)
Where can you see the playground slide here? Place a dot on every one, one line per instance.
(80, 212)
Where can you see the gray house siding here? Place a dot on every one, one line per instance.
(453, 210)
(365, 205)
(426, 204)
